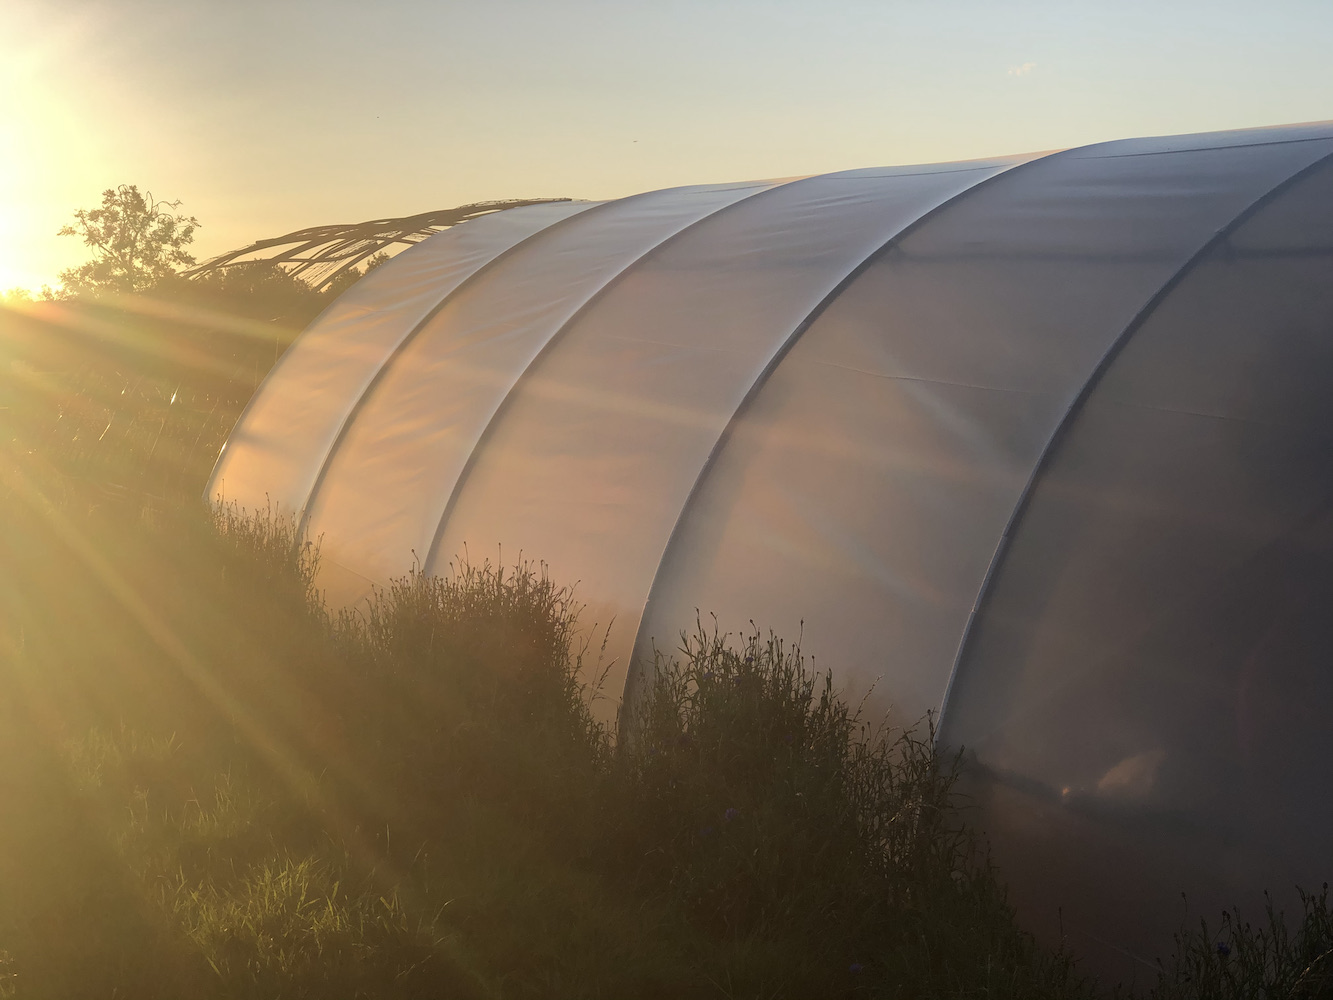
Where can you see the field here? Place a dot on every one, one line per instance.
(215, 786)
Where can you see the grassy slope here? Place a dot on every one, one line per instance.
(213, 787)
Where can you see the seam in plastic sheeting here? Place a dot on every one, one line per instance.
(1089, 385)
(432, 554)
(962, 167)
(375, 380)
(1202, 149)
(921, 378)
(1204, 415)
(638, 650)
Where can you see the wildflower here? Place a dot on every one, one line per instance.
(708, 675)
(706, 832)
(1223, 949)
(731, 813)
(855, 968)
(749, 659)
(788, 739)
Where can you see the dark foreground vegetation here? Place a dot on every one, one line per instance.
(213, 786)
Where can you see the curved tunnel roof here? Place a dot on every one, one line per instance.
(1044, 441)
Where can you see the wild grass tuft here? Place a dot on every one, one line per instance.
(290, 925)
(1236, 960)
(772, 813)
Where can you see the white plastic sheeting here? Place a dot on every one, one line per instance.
(389, 479)
(1150, 679)
(274, 455)
(1041, 440)
(600, 444)
(866, 490)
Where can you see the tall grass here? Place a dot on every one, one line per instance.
(418, 800)
(827, 848)
(1234, 959)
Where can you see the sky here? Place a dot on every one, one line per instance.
(265, 116)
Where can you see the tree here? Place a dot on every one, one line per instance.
(137, 242)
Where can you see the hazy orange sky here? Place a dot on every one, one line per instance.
(267, 115)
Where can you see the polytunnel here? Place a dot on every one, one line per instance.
(1042, 444)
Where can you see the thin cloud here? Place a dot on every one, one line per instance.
(1023, 70)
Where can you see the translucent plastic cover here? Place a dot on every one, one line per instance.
(865, 490)
(277, 448)
(1046, 441)
(387, 483)
(1153, 658)
(598, 447)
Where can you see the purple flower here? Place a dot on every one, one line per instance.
(706, 831)
(855, 968)
(788, 739)
(708, 675)
(1223, 949)
(731, 813)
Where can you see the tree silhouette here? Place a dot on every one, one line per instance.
(137, 242)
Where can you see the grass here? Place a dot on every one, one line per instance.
(215, 786)
(1236, 959)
